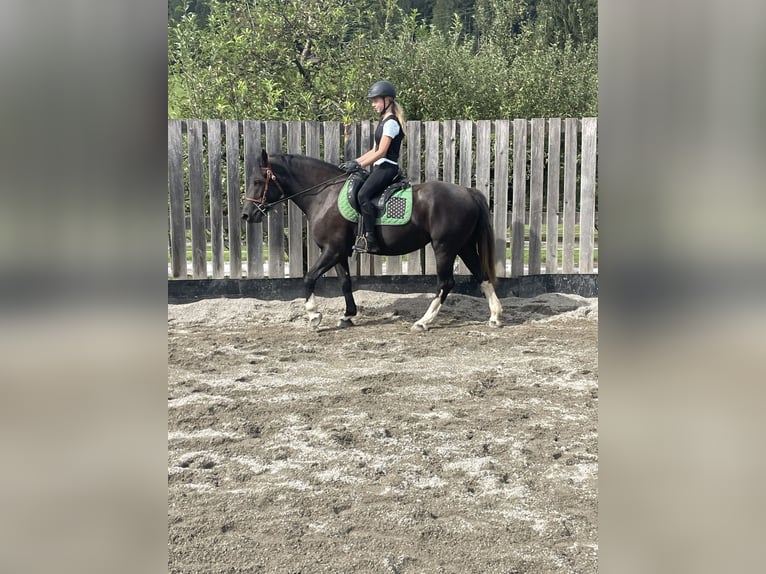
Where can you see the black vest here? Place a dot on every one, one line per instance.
(396, 144)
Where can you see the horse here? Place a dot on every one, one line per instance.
(454, 219)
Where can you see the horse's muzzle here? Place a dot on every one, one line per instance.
(254, 215)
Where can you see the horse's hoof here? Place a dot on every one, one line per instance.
(343, 323)
(495, 323)
(315, 320)
(419, 328)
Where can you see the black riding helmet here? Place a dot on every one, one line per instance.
(381, 89)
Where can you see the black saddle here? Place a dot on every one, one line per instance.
(355, 181)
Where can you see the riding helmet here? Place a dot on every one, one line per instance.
(382, 89)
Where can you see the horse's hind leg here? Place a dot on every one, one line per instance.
(471, 259)
(344, 276)
(446, 278)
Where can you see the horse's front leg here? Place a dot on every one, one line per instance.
(344, 277)
(326, 260)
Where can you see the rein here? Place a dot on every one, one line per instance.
(269, 175)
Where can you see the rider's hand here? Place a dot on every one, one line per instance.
(350, 166)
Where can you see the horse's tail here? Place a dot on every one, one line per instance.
(485, 236)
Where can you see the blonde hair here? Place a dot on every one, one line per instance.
(399, 113)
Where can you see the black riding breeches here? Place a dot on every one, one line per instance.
(380, 178)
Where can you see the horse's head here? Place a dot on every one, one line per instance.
(262, 190)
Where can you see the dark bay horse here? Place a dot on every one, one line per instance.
(454, 219)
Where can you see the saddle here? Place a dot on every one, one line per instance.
(355, 181)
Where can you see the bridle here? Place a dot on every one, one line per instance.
(260, 202)
(269, 176)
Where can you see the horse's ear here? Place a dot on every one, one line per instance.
(264, 157)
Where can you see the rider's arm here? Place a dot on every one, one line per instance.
(374, 155)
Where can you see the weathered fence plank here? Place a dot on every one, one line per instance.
(364, 262)
(276, 223)
(254, 231)
(216, 197)
(536, 171)
(313, 133)
(552, 220)
(197, 200)
(465, 173)
(587, 193)
(431, 174)
(295, 217)
(483, 155)
(233, 193)
(177, 209)
(332, 142)
(500, 211)
(518, 206)
(332, 155)
(414, 259)
(570, 182)
(448, 167)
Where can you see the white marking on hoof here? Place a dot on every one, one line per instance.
(495, 308)
(419, 327)
(426, 320)
(315, 318)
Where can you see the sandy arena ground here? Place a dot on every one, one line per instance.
(373, 449)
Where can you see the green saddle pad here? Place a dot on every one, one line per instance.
(398, 208)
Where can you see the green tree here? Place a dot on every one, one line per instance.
(315, 59)
(576, 20)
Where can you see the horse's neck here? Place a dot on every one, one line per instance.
(305, 177)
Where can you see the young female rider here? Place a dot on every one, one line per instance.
(383, 159)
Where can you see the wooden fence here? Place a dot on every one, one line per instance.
(537, 174)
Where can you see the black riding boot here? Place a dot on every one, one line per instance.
(367, 243)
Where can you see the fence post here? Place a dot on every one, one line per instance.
(197, 200)
(570, 192)
(519, 196)
(252, 141)
(414, 264)
(312, 150)
(216, 196)
(465, 173)
(295, 216)
(552, 222)
(587, 193)
(483, 154)
(500, 214)
(536, 195)
(313, 130)
(177, 209)
(431, 174)
(332, 155)
(276, 224)
(232, 195)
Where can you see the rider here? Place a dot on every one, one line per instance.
(382, 158)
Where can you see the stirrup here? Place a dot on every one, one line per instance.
(361, 244)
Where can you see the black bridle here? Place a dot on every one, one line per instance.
(269, 176)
